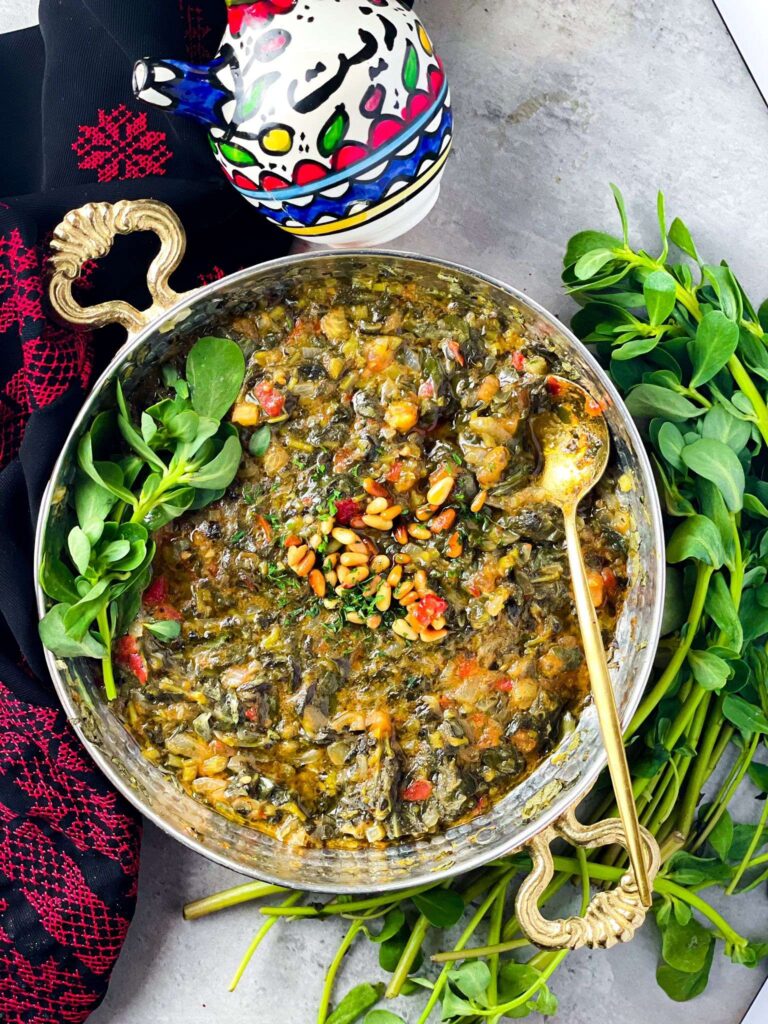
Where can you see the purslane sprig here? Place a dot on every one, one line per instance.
(181, 456)
(683, 343)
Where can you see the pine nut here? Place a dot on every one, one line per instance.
(354, 617)
(392, 512)
(344, 536)
(401, 628)
(317, 582)
(401, 534)
(438, 493)
(424, 512)
(377, 523)
(332, 560)
(332, 578)
(326, 525)
(330, 603)
(353, 558)
(380, 563)
(376, 490)
(403, 589)
(419, 532)
(306, 565)
(384, 597)
(439, 622)
(295, 555)
(410, 598)
(358, 547)
(315, 541)
(402, 558)
(395, 576)
(372, 587)
(420, 581)
(432, 636)
(351, 577)
(478, 501)
(443, 521)
(377, 506)
(373, 621)
(292, 541)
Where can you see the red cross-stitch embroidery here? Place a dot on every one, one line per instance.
(196, 32)
(121, 146)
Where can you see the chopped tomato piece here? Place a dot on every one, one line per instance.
(266, 528)
(487, 729)
(269, 398)
(427, 389)
(429, 608)
(395, 471)
(504, 684)
(592, 407)
(156, 593)
(554, 387)
(421, 789)
(346, 510)
(251, 714)
(455, 352)
(127, 654)
(610, 582)
(167, 611)
(466, 666)
(518, 361)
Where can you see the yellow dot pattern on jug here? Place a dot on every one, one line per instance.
(277, 140)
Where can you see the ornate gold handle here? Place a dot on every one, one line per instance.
(611, 916)
(89, 233)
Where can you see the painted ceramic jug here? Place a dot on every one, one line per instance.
(332, 117)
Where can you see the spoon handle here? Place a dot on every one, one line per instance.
(608, 716)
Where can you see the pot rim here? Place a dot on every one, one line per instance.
(539, 822)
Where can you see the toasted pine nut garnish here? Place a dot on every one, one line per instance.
(295, 555)
(351, 577)
(331, 577)
(402, 558)
(354, 558)
(478, 501)
(443, 520)
(326, 526)
(330, 603)
(292, 541)
(246, 414)
(401, 534)
(377, 523)
(375, 489)
(315, 541)
(354, 617)
(317, 582)
(455, 547)
(384, 597)
(424, 512)
(403, 589)
(433, 636)
(419, 532)
(395, 576)
(438, 493)
(380, 563)
(332, 559)
(377, 506)
(344, 536)
(410, 598)
(401, 628)
(373, 621)
(439, 622)
(306, 565)
(392, 512)
(372, 587)
(420, 581)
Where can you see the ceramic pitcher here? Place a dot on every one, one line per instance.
(332, 117)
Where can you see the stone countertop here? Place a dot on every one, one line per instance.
(553, 101)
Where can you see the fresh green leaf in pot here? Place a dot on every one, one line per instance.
(215, 372)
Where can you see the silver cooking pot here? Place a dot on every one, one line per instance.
(534, 813)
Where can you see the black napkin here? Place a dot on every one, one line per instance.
(72, 133)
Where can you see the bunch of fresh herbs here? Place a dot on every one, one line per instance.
(181, 456)
(684, 345)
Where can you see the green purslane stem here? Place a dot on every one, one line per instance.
(107, 670)
(258, 938)
(755, 843)
(409, 954)
(230, 898)
(333, 970)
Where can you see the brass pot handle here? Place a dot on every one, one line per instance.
(612, 916)
(89, 233)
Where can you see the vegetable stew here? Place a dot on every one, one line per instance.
(370, 635)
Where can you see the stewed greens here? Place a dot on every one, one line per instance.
(689, 351)
(180, 456)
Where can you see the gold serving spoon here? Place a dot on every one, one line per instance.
(573, 438)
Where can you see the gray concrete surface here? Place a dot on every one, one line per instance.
(553, 100)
